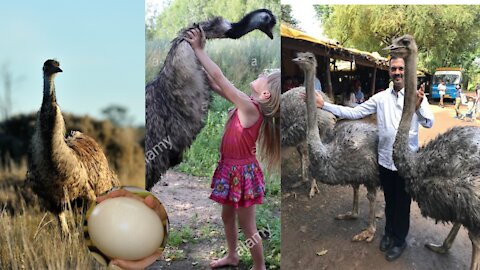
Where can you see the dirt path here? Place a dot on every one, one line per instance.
(194, 218)
(309, 227)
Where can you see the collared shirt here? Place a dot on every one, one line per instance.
(388, 105)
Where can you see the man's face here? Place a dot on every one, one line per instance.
(396, 71)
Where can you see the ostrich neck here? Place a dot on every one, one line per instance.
(313, 136)
(403, 155)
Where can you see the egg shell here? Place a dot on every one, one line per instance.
(125, 228)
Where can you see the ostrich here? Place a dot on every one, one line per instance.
(329, 162)
(293, 127)
(177, 100)
(444, 175)
(62, 169)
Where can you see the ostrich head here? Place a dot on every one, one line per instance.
(306, 61)
(403, 46)
(50, 68)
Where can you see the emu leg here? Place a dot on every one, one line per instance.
(354, 213)
(447, 243)
(62, 217)
(368, 234)
(475, 238)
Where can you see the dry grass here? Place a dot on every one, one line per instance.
(32, 239)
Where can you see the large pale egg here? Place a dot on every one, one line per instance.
(125, 228)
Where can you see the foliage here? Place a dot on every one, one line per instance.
(287, 17)
(445, 35)
(182, 13)
(118, 115)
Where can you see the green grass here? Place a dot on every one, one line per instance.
(176, 237)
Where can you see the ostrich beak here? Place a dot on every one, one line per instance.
(392, 47)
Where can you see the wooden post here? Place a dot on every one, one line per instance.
(374, 78)
(328, 87)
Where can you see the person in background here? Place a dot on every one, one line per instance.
(458, 101)
(441, 91)
(317, 85)
(477, 99)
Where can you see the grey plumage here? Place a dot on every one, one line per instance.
(444, 175)
(350, 158)
(178, 98)
(63, 168)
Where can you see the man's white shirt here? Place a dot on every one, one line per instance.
(388, 105)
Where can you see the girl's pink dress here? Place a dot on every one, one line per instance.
(238, 179)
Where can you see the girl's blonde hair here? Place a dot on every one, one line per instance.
(269, 136)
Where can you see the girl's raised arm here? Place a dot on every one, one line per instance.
(226, 88)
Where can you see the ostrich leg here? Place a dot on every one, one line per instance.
(302, 151)
(313, 188)
(475, 238)
(447, 243)
(354, 213)
(368, 234)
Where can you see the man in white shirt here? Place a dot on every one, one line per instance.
(442, 88)
(388, 105)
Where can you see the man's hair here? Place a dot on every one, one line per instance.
(393, 57)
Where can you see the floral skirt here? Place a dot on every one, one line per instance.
(238, 182)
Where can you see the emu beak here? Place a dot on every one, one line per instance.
(268, 32)
(57, 69)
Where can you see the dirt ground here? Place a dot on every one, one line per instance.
(186, 200)
(309, 227)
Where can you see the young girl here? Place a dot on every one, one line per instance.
(238, 180)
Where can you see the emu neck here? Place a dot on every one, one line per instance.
(51, 123)
(403, 155)
(49, 95)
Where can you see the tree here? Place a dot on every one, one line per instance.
(118, 115)
(182, 13)
(286, 16)
(446, 35)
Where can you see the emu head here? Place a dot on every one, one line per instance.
(51, 67)
(263, 20)
(403, 46)
(306, 61)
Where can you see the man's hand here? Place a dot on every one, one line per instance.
(319, 101)
(420, 96)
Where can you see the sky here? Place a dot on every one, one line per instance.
(304, 13)
(100, 46)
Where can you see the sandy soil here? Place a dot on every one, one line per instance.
(309, 227)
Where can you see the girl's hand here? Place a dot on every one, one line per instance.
(196, 38)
